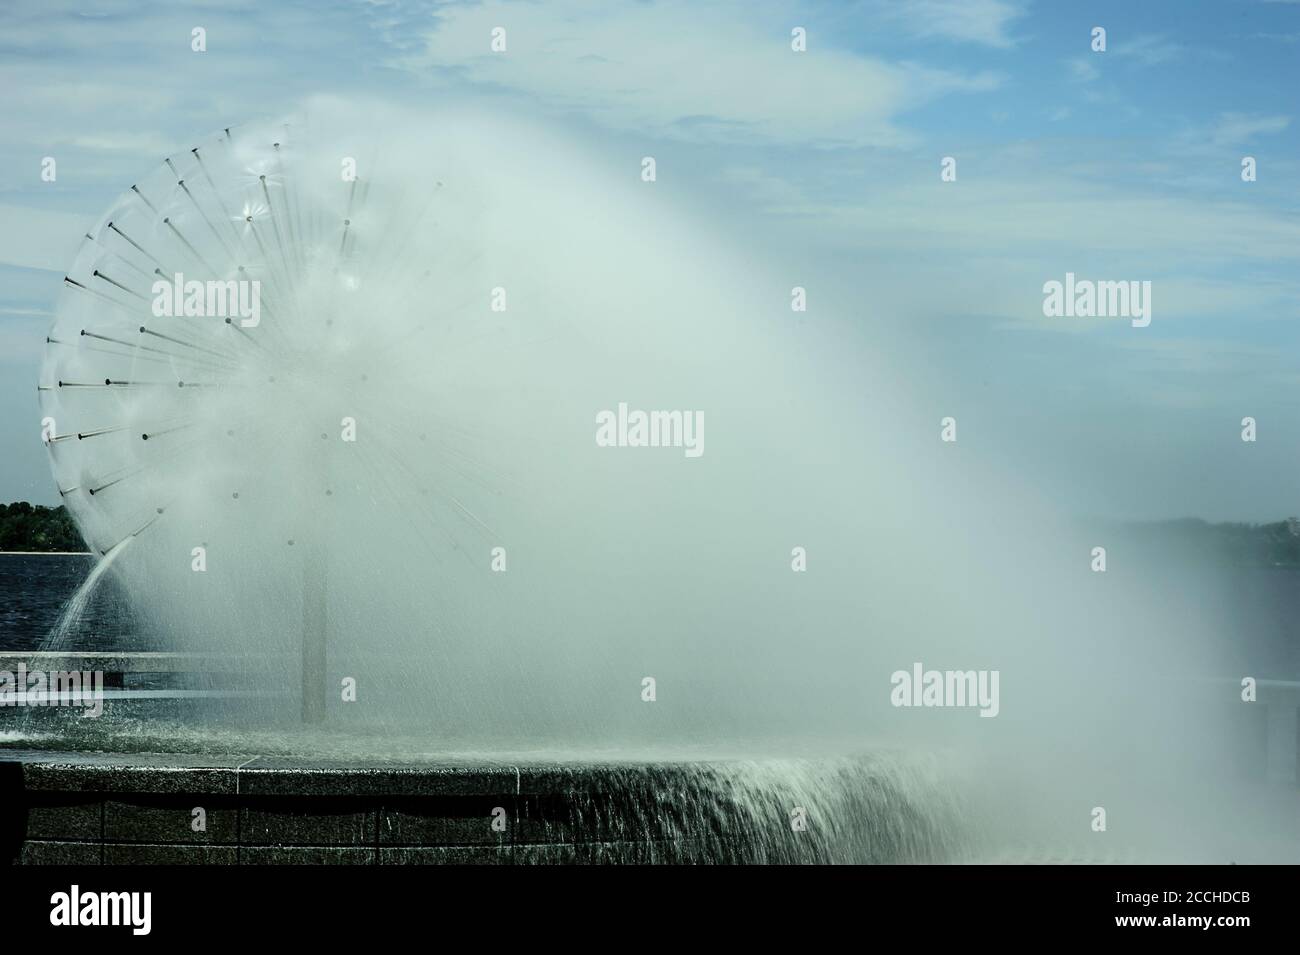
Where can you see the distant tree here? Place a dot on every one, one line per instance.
(25, 526)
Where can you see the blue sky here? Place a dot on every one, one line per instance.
(1116, 165)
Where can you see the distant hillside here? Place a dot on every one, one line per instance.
(26, 526)
(1252, 545)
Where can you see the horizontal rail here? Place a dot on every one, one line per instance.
(86, 697)
(146, 661)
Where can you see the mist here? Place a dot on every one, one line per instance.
(410, 432)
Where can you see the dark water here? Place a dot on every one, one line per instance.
(34, 589)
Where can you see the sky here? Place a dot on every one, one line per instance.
(823, 165)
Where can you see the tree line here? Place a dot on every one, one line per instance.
(35, 527)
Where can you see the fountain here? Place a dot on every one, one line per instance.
(337, 383)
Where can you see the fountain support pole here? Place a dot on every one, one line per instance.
(313, 630)
(314, 617)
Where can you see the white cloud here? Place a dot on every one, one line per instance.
(683, 69)
(40, 238)
(1235, 128)
(988, 245)
(1082, 69)
(1149, 49)
(1055, 217)
(772, 192)
(971, 21)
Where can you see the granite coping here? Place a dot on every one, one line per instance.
(260, 775)
(121, 808)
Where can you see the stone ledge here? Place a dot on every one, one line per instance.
(124, 808)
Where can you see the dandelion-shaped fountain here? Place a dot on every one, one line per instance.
(229, 322)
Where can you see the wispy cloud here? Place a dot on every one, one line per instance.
(986, 22)
(1082, 69)
(1140, 51)
(1235, 128)
(1148, 50)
